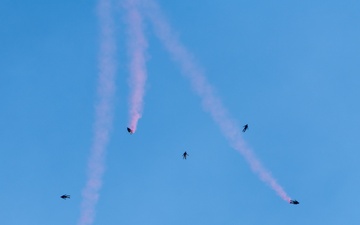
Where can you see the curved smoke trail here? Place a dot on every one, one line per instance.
(210, 101)
(137, 45)
(104, 114)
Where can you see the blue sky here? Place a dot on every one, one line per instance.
(288, 69)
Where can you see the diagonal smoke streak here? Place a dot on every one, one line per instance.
(211, 102)
(104, 114)
(137, 45)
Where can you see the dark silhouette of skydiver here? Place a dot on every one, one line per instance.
(129, 130)
(65, 196)
(245, 127)
(185, 155)
(295, 202)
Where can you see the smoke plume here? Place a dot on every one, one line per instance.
(210, 101)
(137, 45)
(103, 116)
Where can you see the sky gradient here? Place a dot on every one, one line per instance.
(288, 69)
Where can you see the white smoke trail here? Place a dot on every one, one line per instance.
(137, 46)
(104, 114)
(210, 101)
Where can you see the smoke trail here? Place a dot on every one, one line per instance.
(104, 114)
(137, 46)
(210, 101)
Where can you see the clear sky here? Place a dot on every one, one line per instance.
(288, 69)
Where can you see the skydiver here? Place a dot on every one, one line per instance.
(295, 202)
(65, 196)
(245, 127)
(129, 130)
(185, 155)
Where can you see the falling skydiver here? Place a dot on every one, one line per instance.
(185, 155)
(65, 196)
(129, 130)
(245, 127)
(295, 202)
